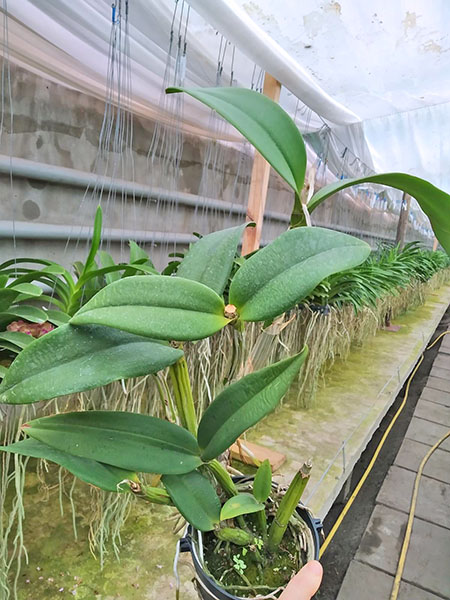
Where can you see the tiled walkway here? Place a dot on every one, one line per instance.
(427, 570)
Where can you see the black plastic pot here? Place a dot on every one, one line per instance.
(207, 587)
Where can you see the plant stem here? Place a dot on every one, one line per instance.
(156, 495)
(287, 506)
(227, 484)
(223, 477)
(237, 536)
(246, 587)
(183, 395)
(165, 400)
(245, 580)
(177, 396)
(261, 522)
(169, 397)
(188, 400)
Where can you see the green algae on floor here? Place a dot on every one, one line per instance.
(60, 567)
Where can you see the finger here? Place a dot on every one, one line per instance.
(305, 584)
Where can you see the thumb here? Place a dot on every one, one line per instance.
(305, 584)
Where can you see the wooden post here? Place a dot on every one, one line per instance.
(403, 220)
(259, 181)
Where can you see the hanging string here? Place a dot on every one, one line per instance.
(8, 104)
(166, 147)
(114, 158)
(356, 211)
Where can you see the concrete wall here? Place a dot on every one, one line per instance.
(58, 126)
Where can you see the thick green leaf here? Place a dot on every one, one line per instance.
(280, 275)
(106, 260)
(26, 288)
(244, 403)
(7, 297)
(262, 484)
(265, 125)
(14, 292)
(210, 259)
(3, 370)
(98, 474)
(72, 359)
(95, 243)
(137, 254)
(123, 439)
(57, 317)
(434, 202)
(167, 308)
(30, 313)
(242, 504)
(195, 498)
(22, 340)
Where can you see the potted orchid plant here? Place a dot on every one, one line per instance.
(247, 537)
(138, 325)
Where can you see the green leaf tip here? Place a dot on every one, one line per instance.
(244, 403)
(242, 504)
(130, 441)
(283, 273)
(263, 123)
(434, 202)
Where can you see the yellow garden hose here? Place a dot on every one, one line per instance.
(357, 489)
(412, 510)
(366, 473)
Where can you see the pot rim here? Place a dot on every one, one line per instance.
(188, 543)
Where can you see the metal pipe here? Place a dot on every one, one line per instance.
(47, 231)
(51, 231)
(29, 169)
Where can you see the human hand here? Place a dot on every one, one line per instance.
(305, 584)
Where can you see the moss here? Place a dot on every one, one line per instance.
(275, 572)
(60, 567)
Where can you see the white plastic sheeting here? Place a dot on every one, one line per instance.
(239, 28)
(382, 63)
(376, 58)
(70, 43)
(385, 62)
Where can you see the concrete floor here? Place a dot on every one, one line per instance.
(426, 575)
